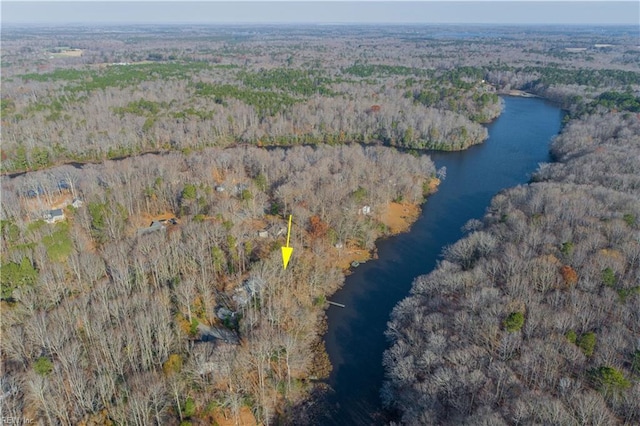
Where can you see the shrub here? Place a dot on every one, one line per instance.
(629, 219)
(626, 292)
(261, 182)
(9, 230)
(571, 336)
(15, 275)
(218, 258)
(189, 192)
(193, 327)
(189, 408)
(43, 366)
(359, 194)
(514, 322)
(587, 343)
(275, 208)
(567, 248)
(609, 380)
(172, 365)
(608, 277)
(333, 236)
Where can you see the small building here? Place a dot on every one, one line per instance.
(53, 216)
(156, 225)
(172, 221)
(77, 203)
(249, 289)
(263, 234)
(220, 188)
(276, 230)
(225, 314)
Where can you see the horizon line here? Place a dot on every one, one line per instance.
(337, 23)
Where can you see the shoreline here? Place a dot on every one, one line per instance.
(322, 367)
(398, 218)
(80, 164)
(518, 93)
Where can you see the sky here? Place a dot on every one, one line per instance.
(307, 11)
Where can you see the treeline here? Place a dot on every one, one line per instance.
(122, 110)
(91, 115)
(540, 78)
(533, 317)
(215, 88)
(579, 91)
(106, 319)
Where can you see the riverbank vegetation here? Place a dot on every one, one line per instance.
(533, 317)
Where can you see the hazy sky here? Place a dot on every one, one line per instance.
(478, 11)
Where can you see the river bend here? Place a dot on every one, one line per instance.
(518, 141)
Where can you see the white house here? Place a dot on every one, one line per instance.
(53, 216)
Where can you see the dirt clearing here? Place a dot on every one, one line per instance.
(398, 217)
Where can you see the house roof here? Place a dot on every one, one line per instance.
(56, 212)
(155, 226)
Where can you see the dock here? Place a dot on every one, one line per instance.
(339, 305)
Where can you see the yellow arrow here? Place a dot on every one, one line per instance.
(286, 250)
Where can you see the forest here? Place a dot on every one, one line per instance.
(147, 178)
(177, 322)
(76, 97)
(533, 317)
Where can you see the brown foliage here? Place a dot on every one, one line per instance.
(317, 227)
(569, 275)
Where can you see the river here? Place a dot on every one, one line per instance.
(518, 141)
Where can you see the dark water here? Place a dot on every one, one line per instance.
(518, 140)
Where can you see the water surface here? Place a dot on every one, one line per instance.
(518, 141)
